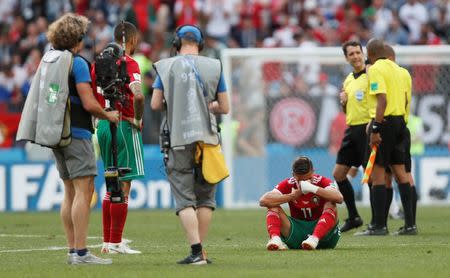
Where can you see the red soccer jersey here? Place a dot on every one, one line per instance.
(134, 73)
(308, 206)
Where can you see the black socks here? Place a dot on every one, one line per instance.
(372, 220)
(347, 191)
(196, 248)
(405, 195)
(379, 205)
(389, 195)
(82, 252)
(414, 203)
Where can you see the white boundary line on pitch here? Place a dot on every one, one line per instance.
(33, 236)
(51, 248)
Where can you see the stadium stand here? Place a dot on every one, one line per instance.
(257, 23)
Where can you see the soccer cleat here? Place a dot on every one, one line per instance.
(89, 259)
(194, 259)
(121, 248)
(373, 232)
(310, 243)
(275, 243)
(406, 231)
(351, 223)
(105, 248)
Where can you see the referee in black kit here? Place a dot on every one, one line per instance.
(353, 149)
(387, 110)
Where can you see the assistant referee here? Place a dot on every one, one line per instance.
(387, 109)
(353, 148)
(406, 197)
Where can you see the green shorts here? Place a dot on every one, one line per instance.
(129, 148)
(300, 230)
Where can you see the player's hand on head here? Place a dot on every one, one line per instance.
(296, 192)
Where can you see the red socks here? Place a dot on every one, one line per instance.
(273, 223)
(118, 218)
(106, 217)
(114, 217)
(326, 222)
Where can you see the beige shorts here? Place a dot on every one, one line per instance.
(187, 191)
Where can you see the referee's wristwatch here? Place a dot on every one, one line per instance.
(376, 127)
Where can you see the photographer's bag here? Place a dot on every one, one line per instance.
(212, 161)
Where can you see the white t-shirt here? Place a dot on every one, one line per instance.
(413, 16)
(219, 12)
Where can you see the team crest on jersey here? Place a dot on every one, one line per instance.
(315, 200)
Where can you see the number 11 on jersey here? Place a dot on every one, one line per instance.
(307, 212)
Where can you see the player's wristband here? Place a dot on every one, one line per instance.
(308, 187)
(137, 122)
(376, 127)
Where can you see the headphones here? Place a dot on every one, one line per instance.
(177, 39)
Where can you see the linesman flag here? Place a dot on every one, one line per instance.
(370, 164)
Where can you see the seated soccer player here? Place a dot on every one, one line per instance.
(312, 202)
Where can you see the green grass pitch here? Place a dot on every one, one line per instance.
(31, 246)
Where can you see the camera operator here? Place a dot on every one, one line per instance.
(76, 163)
(191, 89)
(129, 142)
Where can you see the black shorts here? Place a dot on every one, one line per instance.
(391, 150)
(407, 142)
(353, 151)
(407, 138)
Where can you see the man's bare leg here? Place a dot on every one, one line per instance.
(84, 188)
(66, 213)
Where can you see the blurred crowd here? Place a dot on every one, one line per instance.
(226, 24)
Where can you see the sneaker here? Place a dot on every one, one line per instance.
(105, 248)
(310, 243)
(89, 259)
(121, 248)
(351, 223)
(71, 257)
(275, 243)
(406, 231)
(371, 231)
(194, 259)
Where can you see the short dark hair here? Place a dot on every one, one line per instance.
(302, 165)
(389, 50)
(350, 43)
(375, 49)
(130, 31)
